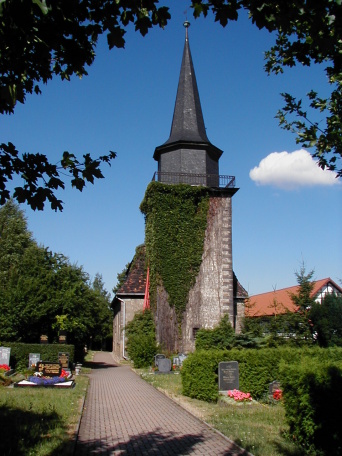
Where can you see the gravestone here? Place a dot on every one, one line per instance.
(164, 365)
(62, 337)
(272, 387)
(49, 369)
(63, 359)
(228, 375)
(44, 339)
(5, 354)
(181, 357)
(176, 361)
(157, 358)
(34, 359)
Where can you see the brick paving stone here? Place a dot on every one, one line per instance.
(124, 415)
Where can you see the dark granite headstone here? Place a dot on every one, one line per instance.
(228, 375)
(34, 359)
(164, 365)
(49, 369)
(63, 359)
(5, 354)
(157, 358)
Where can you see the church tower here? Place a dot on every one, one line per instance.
(205, 205)
(188, 157)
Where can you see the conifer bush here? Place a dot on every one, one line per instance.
(313, 402)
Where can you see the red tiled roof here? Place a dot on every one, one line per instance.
(136, 275)
(279, 301)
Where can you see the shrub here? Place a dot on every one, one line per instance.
(141, 339)
(199, 374)
(313, 402)
(220, 338)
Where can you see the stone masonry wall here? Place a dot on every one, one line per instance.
(212, 295)
(121, 318)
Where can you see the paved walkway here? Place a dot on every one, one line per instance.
(124, 415)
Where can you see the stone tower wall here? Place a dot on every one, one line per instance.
(212, 295)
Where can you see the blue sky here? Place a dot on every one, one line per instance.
(126, 104)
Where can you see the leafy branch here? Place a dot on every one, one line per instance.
(42, 178)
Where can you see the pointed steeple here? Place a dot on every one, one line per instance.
(188, 122)
(188, 150)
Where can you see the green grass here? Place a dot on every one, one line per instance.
(259, 428)
(40, 421)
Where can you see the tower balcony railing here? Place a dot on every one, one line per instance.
(207, 180)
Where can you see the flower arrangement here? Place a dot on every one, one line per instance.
(239, 396)
(38, 379)
(277, 394)
(4, 368)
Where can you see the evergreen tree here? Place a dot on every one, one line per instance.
(304, 301)
(326, 319)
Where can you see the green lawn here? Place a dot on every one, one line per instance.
(259, 428)
(40, 421)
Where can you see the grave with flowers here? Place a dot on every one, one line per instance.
(274, 391)
(228, 376)
(5, 355)
(48, 374)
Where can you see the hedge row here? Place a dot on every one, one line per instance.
(19, 358)
(257, 368)
(313, 402)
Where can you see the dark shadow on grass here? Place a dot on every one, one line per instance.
(151, 443)
(21, 430)
(283, 450)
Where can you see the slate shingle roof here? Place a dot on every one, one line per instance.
(136, 275)
(238, 290)
(187, 124)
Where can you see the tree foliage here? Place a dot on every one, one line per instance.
(306, 32)
(41, 292)
(326, 318)
(40, 40)
(221, 337)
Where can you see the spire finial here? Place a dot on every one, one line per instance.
(186, 25)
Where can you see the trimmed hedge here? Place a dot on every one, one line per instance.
(257, 368)
(313, 403)
(48, 352)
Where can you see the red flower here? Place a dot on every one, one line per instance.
(278, 394)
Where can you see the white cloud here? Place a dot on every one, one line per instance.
(289, 170)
